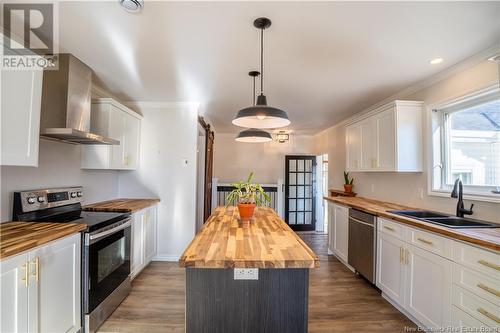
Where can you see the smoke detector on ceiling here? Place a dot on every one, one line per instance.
(132, 5)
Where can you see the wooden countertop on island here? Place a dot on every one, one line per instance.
(485, 237)
(17, 237)
(122, 205)
(265, 242)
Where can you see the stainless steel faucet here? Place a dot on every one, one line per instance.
(458, 193)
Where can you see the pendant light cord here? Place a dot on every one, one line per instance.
(253, 101)
(262, 61)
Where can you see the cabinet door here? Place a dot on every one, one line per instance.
(385, 141)
(150, 229)
(137, 260)
(117, 131)
(390, 266)
(353, 147)
(55, 291)
(14, 289)
(331, 226)
(341, 232)
(20, 116)
(368, 144)
(131, 142)
(428, 287)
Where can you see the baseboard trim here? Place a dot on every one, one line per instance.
(166, 257)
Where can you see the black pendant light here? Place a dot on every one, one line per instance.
(253, 135)
(261, 115)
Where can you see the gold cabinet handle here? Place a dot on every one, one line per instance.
(388, 228)
(25, 277)
(401, 255)
(428, 242)
(407, 254)
(489, 264)
(488, 314)
(36, 273)
(489, 289)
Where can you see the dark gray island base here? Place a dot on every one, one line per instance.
(275, 303)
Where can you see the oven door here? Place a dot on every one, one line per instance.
(108, 263)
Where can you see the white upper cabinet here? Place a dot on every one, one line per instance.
(389, 139)
(20, 116)
(112, 119)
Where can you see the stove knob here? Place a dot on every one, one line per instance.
(79, 194)
(41, 199)
(31, 200)
(73, 194)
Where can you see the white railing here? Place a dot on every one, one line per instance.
(220, 191)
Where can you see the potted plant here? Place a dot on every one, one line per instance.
(348, 182)
(247, 195)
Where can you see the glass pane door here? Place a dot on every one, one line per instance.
(300, 192)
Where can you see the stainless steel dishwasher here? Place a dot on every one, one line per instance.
(362, 246)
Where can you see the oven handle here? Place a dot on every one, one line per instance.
(125, 225)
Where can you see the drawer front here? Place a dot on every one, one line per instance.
(475, 306)
(390, 227)
(477, 283)
(478, 259)
(461, 321)
(433, 243)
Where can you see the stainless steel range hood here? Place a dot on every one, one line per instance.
(66, 98)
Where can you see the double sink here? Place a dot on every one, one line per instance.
(444, 220)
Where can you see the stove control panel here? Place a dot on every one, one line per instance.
(29, 201)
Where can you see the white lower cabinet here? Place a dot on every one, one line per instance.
(340, 231)
(144, 224)
(428, 287)
(390, 267)
(436, 280)
(41, 289)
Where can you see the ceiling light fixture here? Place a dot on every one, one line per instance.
(436, 61)
(132, 5)
(253, 135)
(282, 137)
(261, 115)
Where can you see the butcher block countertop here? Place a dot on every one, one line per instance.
(485, 237)
(265, 242)
(17, 237)
(122, 205)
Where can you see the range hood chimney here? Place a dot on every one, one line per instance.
(66, 99)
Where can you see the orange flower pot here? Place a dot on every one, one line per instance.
(246, 210)
(348, 188)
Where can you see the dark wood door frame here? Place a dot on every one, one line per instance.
(295, 226)
(209, 158)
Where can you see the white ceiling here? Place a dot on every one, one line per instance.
(324, 60)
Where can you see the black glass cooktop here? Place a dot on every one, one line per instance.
(74, 214)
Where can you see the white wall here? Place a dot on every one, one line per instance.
(235, 160)
(167, 171)
(403, 188)
(58, 165)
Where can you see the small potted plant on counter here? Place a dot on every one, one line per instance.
(247, 195)
(348, 182)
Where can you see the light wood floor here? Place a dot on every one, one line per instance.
(339, 301)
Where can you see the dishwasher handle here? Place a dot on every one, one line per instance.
(362, 222)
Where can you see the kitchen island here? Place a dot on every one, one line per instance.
(247, 276)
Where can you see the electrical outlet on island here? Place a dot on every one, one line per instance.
(246, 273)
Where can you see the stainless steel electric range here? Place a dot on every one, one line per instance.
(105, 247)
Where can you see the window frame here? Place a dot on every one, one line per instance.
(438, 157)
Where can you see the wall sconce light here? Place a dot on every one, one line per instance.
(282, 137)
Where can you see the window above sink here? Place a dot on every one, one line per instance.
(466, 145)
